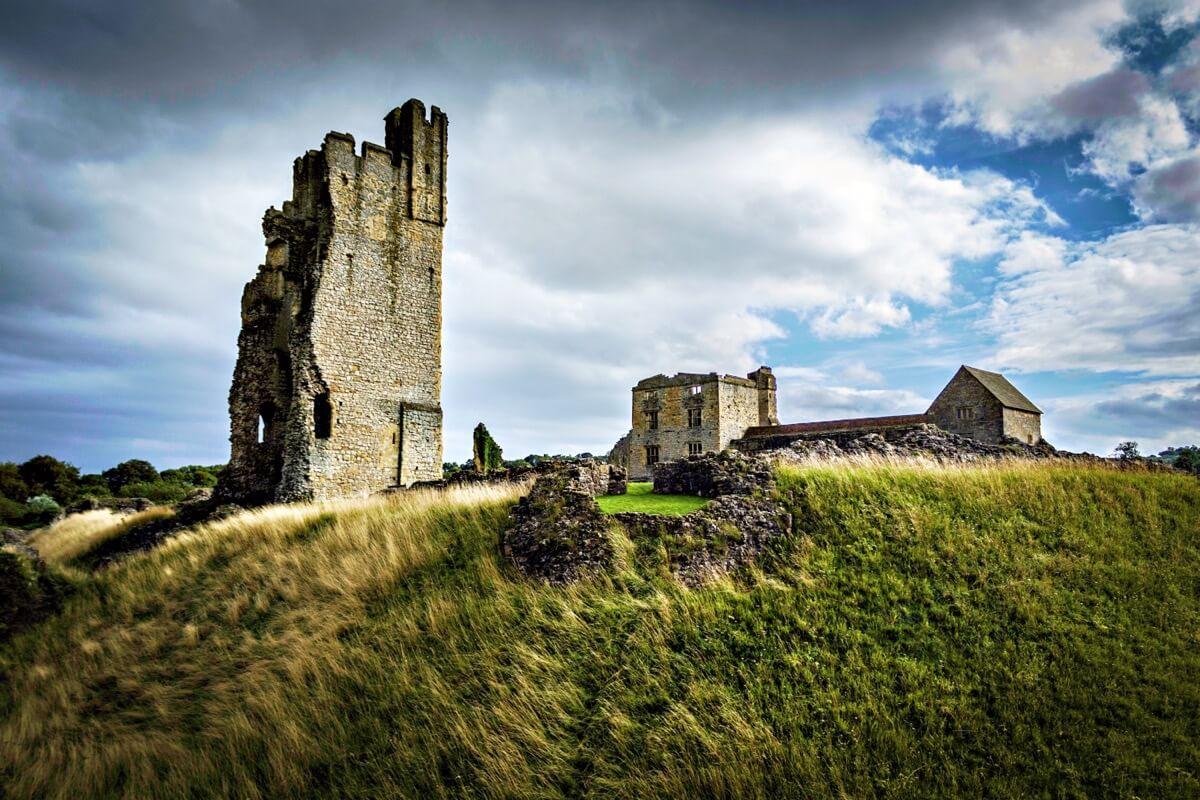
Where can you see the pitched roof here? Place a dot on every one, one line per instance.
(836, 425)
(1002, 390)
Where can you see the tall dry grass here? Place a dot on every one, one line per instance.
(77, 534)
(211, 661)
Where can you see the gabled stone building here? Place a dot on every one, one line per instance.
(984, 406)
(337, 387)
(693, 413)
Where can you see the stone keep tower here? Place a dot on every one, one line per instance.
(337, 387)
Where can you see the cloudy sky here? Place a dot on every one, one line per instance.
(864, 195)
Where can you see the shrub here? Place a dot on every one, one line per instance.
(12, 512)
(41, 509)
(158, 491)
(47, 475)
(93, 485)
(12, 485)
(193, 475)
(31, 592)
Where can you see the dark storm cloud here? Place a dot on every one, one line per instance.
(1172, 190)
(1154, 413)
(1115, 94)
(176, 54)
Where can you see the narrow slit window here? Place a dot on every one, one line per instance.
(322, 416)
(266, 420)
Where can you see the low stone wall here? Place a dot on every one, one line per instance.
(912, 441)
(726, 534)
(118, 505)
(559, 535)
(599, 478)
(761, 444)
(714, 475)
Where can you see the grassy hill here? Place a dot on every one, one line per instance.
(1009, 631)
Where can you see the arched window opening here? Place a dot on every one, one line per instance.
(266, 422)
(322, 416)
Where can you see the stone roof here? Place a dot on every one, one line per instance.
(834, 425)
(1002, 390)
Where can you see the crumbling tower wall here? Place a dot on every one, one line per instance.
(337, 387)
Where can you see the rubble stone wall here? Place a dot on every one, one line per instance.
(714, 475)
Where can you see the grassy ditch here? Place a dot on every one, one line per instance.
(1009, 631)
(640, 497)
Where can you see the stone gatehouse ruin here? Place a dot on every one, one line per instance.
(690, 414)
(337, 387)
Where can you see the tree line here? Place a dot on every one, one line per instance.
(36, 491)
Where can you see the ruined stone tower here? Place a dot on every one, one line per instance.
(337, 387)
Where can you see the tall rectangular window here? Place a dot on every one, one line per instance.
(652, 420)
(651, 454)
(322, 416)
(694, 418)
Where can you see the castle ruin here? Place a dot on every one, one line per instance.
(337, 387)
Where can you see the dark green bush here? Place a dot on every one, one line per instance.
(30, 589)
(159, 491)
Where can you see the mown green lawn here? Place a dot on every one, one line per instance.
(640, 497)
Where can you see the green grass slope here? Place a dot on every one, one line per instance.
(1016, 631)
(640, 497)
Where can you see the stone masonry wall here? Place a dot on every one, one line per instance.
(738, 411)
(1023, 426)
(671, 399)
(728, 406)
(964, 392)
(341, 339)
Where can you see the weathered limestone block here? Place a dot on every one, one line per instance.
(714, 474)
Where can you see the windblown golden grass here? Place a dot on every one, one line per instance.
(72, 536)
(189, 653)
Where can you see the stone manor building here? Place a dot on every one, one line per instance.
(337, 388)
(692, 413)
